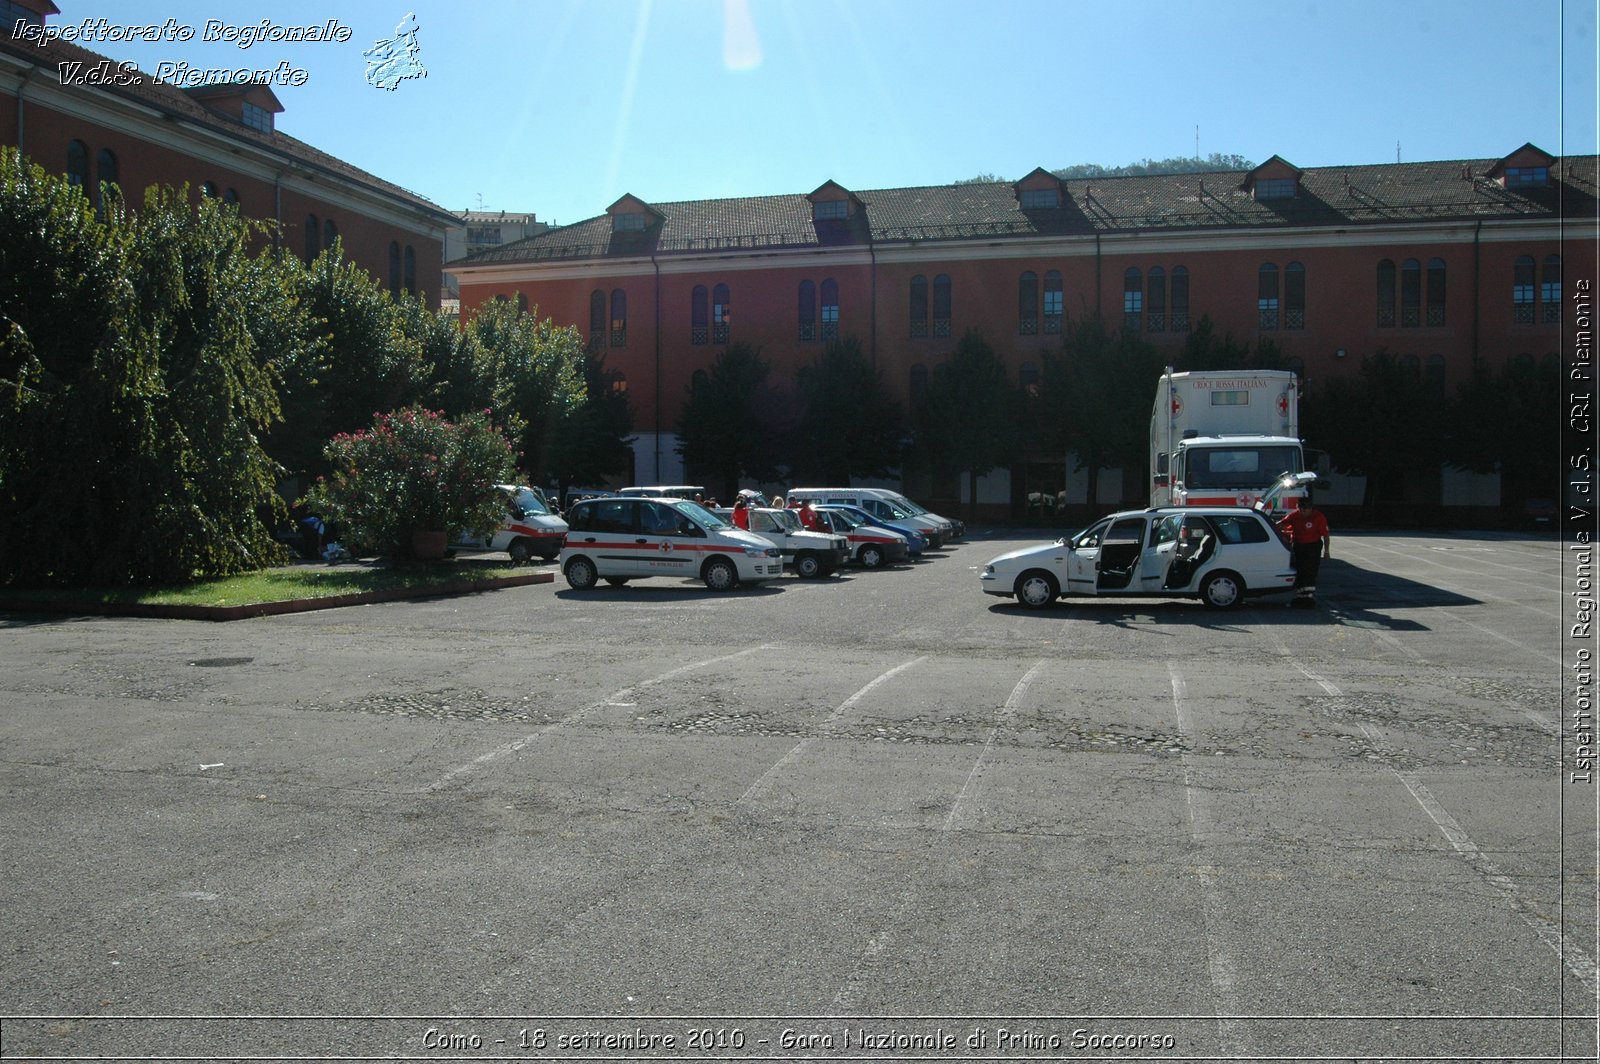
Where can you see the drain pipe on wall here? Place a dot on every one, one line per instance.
(657, 313)
(22, 114)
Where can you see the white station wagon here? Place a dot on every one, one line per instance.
(1218, 554)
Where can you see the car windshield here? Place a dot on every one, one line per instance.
(788, 520)
(700, 515)
(530, 504)
(911, 508)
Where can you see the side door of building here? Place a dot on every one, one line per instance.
(670, 542)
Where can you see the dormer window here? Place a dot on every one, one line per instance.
(257, 117)
(830, 211)
(1039, 198)
(1527, 177)
(1268, 188)
(628, 223)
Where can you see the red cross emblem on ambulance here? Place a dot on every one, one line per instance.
(666, 546)
(1283, 406)
(1177, 406)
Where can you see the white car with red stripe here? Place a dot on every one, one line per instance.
(870, 546)
(529, 530)
(623, 538)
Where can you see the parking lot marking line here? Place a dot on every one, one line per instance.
(1578, 962)
(844, 707)
(1012, 702)
(615, 698)
(1219, 962)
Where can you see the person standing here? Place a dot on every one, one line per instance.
(741, 513)
(1311, 542)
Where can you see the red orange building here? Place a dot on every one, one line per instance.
(76, 112)
(1438, 261)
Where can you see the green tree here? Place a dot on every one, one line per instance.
(1480, 435)
(1096, 392)
(592, 441)
(529, 373)
(1204, 350)
(1384, 423)
(357, 360)
(848, 425)
(967, 422)
(720, 429)
(136, 390)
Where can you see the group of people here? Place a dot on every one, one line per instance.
(749, 500)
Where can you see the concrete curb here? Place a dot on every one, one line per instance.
(267, 609)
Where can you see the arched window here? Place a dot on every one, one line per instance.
(721, 314)
(1436, 292)
(522, 304)
(1386, 294)
(700, 315)
(597, 318)
(807, 317)
(1053, 302)
(313, 234)
(619, 318)
(919, 307)
(330, 234)
(830, 309)
(1410, 293)
(208, 190)
(1132, 299)
(411, 270)
(107, 177)
(918, 384)
(1180, 299)
(1155, 311)
(1550, 289)
(1267, 296)
(78, 164)
(941, 305)
(1294, 296)
(619, 382)
(231, 197)
(394, 268)
(1028, 377)
(1522, 290)
(699, 381)
(1028, 303)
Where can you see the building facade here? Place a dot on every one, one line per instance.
(1443, 262)
(478, 231)
(103, 124)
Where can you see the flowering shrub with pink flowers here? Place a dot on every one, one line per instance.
(413, 471)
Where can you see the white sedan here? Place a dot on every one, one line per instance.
(1218, 554)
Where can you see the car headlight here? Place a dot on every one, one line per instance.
(754, 552)
(988, 570)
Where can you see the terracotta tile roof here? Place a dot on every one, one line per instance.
(1328, 196)
(175, 101)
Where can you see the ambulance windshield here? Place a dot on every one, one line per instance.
(1248, 467)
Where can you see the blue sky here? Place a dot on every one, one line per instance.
(560, 106)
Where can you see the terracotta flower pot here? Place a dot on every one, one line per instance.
(427, 546)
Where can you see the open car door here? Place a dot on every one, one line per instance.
(1197, 542)
(1120, 551)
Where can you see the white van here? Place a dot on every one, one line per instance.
(623, 537)
(882, 504)
(527, 531)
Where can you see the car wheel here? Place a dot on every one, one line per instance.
(521, 551)
(581, 574)
(871, 557)
(1222, 590)
(807, 566)
(616, 581)
(1037, 589)
(720, 575)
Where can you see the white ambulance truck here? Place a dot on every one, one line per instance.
(1221, 437)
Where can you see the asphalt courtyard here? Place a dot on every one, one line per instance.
(880, 816)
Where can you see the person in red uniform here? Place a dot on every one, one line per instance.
(1307, 530)
(741, 513)
(808, 516)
